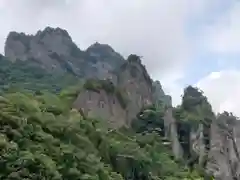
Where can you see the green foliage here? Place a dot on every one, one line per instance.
(58, 143)
(149, 120)
(196, 106)
(41, 137)
(37, 144)
(28, 75)
(106, 85)
(98, 85)
(194, 110)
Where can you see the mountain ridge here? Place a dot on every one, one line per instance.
(98, 61)
(122, 93)
(54, 50)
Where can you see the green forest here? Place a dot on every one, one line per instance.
(43, 138)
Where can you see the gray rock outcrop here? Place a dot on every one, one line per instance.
(159, 96)
(224, 160)
(134, 80)
(101, 105)
(171, 133)
(54, 50)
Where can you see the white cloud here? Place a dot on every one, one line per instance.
(224, 36)
(155, 30)
(222, 89)
(172, 87)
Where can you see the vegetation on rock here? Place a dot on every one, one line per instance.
(131, 63)
(106, 85)
(27, 75)
(42, 138)
(194, 111)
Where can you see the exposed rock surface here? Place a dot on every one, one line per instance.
(101, 105)
(134, 80)
(54, 50)
(107, 60)
(105, 53)
(197, 143)
(224, 161)
(159, 96)
(135, 83)
(170, 127)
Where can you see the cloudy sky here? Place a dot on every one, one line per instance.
(182, 41)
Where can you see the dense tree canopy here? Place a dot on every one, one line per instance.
(42, 138)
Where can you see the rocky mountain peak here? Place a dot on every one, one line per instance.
(54, 50)
(16, 36)
(53, 31)
(53, 36)
(50, 39)
(159, 95)
(135, 69)
(133, 87)
(18, 41)
(133, 58)
(106, 53)
(100, 47)
(134, 79)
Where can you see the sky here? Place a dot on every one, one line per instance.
(182, 42)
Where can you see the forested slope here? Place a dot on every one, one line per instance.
(41, 137)
(27, 75)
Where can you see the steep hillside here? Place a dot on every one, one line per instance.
(25, 75)
(134, 80)
(224, 157)
(41, 138)
(112, 121)
(159, 95)
(118, 101)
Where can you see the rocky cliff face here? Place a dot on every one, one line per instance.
(50, 48)
(171, 133)
(101, 105)
(135, 87)
(224, 159)
(54, 50)
(134, 80)
(107, 60)
(159, 96)
(105, 53)
(122, 88)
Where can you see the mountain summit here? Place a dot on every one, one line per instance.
(54, 50)
(114, 110)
